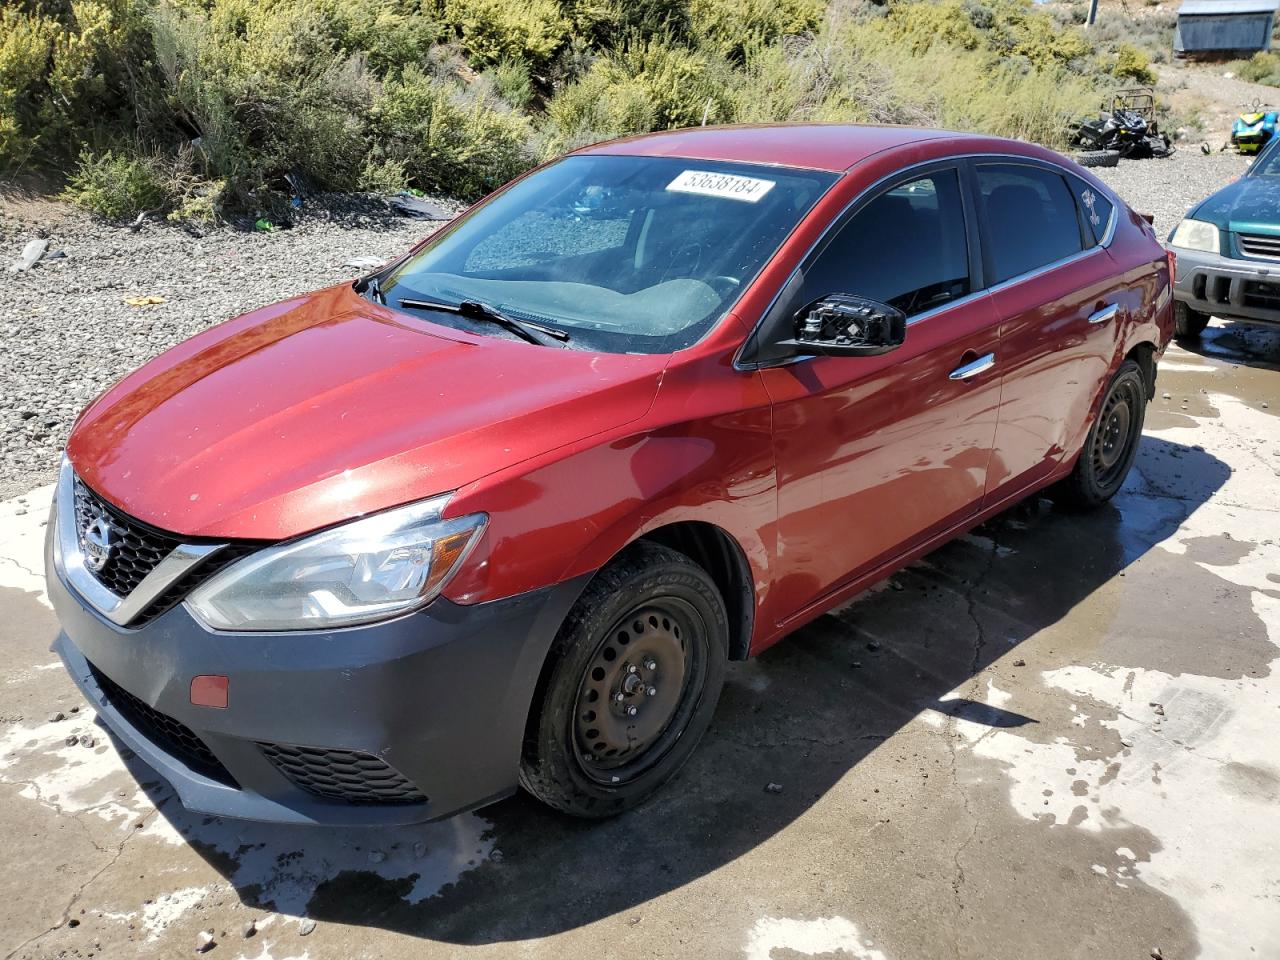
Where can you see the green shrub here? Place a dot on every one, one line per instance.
(647, 85)
(447, 139)
(861, 72)
(512, 83)
(264, 91)
(1132, 64)
(491, 31)
(1005, 28)
(235, 97)
(384, 176)
(115, 186)
(389, 33)
(729, 28)
(65, 76)
(1262, 67)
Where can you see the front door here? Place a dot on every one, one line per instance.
(876, 454)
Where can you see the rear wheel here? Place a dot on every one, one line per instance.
(635, 674)
(1112, 444)
(1188, 324)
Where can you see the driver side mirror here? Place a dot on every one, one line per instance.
(842, 325)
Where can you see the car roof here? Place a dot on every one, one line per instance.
(816, 146)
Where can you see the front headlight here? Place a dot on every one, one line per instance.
(369, 569)
(1196, 235)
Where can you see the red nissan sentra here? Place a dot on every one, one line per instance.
(500, 514)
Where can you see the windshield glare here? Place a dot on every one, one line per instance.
(626, 254)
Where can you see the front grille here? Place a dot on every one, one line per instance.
(178, 590)
(342, 774)
(175, 738)
(1259, 245)
(138, 548)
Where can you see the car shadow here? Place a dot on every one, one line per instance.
(790, 725)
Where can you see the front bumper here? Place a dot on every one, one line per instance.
(439, 697)
(1227, 287)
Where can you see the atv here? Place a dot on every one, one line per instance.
(1253, 129)
(1125, 128)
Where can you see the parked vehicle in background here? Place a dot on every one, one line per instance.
(1228, 251)
(1126, 129)
(502, 512)
(1253, 129)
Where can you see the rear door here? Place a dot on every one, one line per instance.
(1060, 302)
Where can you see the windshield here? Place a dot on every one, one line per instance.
(1267, 165)
(625, 254)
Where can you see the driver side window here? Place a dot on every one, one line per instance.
(907, 248)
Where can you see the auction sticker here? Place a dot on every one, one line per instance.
(726, 185)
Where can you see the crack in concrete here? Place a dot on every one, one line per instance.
(23, 567)
(953, 735)
(79, 892)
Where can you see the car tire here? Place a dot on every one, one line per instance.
(650, 615)
(1188, 324)
(1098, 158)
(1112, 444)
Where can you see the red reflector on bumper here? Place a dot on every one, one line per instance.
(209, 691)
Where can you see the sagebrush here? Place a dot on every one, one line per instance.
(206, 106)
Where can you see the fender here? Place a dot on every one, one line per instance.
(703, 454)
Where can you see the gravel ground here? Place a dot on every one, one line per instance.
(1168, 188)
(68, 333)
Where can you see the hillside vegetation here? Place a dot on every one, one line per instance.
(199, 107)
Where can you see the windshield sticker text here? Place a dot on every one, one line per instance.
(725, 185)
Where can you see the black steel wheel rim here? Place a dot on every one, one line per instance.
(1117, 431)
(639, 690)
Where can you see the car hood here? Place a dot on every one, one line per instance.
(322, 408)
(1250, 201)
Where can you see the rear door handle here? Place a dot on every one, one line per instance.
(973, 367)
(1106, 313)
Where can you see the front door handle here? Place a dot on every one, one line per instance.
(973, 367)
(1106, 313)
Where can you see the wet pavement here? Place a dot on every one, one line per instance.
(1055, 737)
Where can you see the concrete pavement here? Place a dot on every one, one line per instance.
(1054, 738)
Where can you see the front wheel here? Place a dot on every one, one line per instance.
(1112, 444)
(633, 679)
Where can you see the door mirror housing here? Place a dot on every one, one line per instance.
(843, 325)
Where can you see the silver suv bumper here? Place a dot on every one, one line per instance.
(1224, 287)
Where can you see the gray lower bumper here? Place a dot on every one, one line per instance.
(441, 696)
(1224, 287)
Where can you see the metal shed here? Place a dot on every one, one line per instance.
(1225, 26)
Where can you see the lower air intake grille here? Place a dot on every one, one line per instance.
(342, 774)
(173, 737)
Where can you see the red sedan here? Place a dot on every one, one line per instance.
(502, 512)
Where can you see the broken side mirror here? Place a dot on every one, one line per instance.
(842, 325)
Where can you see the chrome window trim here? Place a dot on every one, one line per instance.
(1107, 236)
(119, 610)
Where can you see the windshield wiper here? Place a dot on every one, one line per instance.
(479, 310)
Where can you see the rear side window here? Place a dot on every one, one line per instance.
(1094, 207)
(1031, 218)
(907, 247)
